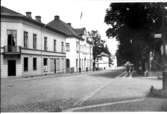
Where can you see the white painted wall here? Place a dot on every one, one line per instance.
(103, 62)
(22, 26)
(72, 55)
(11, 26)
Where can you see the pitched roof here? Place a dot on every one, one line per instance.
(5, 12)
(103, 54)
(79, 31)
(9, 12)
(61, 26)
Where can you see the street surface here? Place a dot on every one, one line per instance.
(64, 93)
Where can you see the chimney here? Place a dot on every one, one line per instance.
(69, 24)
(57, 17)
(38, 18)
(28, 14)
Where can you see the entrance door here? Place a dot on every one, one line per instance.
(67, 63)
(55, 65)
(11, 67)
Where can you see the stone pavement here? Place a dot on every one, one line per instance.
(146, 104)
(71, 91)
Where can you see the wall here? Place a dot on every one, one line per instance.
(72, 55)
(22, 26)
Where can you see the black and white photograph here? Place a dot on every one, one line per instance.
(83, 56)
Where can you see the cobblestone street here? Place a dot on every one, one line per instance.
(46, 94)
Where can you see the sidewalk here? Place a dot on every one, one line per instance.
(57, 75)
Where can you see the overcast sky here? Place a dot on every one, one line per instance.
(93, 13)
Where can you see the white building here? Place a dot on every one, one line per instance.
(78, 47)
(86, 50)
(29, 47)
(102, 61)
(114, 61)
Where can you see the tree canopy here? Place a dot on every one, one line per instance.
(98, 45)
(133, 25)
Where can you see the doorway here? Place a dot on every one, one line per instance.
(11, 67)
(67, 63)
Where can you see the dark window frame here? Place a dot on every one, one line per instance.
(54, 45)
(34, 63)
(34, 41)
(25, 64)
(62, 46)
(25, 39)
(13, 40)
(45, 61)
(68, 47)
(45, 43)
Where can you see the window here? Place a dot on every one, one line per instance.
(76, 63)
(62, 46)
(54, 45)
(34, 63)
(25, 63)
(45, 61)
(12, 34)
(25, 39)
(67, 47)
(45, 43)
(34, 41)
(77, 46)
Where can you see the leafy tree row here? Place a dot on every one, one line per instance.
(134, 26)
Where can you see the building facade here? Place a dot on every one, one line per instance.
(29, 47)
(102, 61)
(78, 46)
(85, 47)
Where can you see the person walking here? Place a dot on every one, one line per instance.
(131, 71)
(127, 65)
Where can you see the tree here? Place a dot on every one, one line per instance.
(98, 45)
(106, 50)
(133, 25)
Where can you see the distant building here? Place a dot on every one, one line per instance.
(86, 50)
(29, 47)
(102, 61)
(114, 61)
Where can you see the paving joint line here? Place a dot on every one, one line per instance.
(84, 99)
(104, 104)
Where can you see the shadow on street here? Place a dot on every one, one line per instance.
(107, 74)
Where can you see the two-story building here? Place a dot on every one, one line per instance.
(86, 50)
(78, 46)
(71, 40)
(29, 47)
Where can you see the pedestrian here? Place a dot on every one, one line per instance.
(131, 71)
(127, 69)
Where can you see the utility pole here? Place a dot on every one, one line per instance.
(164, 47)
(163, 36)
